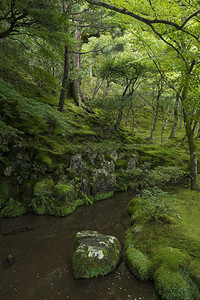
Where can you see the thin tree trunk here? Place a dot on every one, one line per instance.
(198, 133)
(119, 118)
(97, 87)
(167, 119)
(65, 80)
(154, 118)
(133, 119)
(193, 152)
(127, 116)
(174, 126)
(190, 133)
(181, 120)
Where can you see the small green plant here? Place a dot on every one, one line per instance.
(156, 202)
(43, 202)
(87, 199)
(12, 208)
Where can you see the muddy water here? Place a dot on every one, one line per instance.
(43, 256)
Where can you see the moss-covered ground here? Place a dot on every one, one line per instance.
(165, 240)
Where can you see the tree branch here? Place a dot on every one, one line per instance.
(80, 12)
(145, 20)
(87, 51)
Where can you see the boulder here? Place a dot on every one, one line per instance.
(131, 164)
(95, 254)
(76, 163)
(103, 181)
(109, 166)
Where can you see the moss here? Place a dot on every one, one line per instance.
(170, 246)
(139, 264)
(133, 205)
(27, 190)
(44, 158)
(5, 189)
(170, 257)
(194, 271)
(102, 196)
(44, 184)
(64, 193)
(172, 285)
(121, 163)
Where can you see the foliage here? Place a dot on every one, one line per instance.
(12, 208)
(42, 203)
(163, 175)
(26, 108)
(156, 202)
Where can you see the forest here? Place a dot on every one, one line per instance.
(97, 99)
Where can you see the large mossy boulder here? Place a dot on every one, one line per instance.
(95, 254)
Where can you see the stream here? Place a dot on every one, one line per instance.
(43, 256)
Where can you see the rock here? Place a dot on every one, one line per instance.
(103, 181)
(91, 156)
(109, 166)
(95, 254)
(114, 155)
(76, 163)
(131, 163)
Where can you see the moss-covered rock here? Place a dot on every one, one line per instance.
(44, 184)
(44, 158)
(139, 263)
(194, 269)
(172, 285)
(95, 254)
(6, 189)
(170, 257)
(64, 193)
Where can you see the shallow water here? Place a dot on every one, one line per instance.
(43, 265)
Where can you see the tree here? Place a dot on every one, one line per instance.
(29, 17)
(177, 25)
(125, 72)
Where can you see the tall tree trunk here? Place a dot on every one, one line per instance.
(120, 111)
(198, 133)
(74, 85)
(193, 152)
(119, 118)
(174, 126)
(190, 133)
(64, 80)
(127, 116)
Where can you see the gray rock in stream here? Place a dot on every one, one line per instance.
(95, 254)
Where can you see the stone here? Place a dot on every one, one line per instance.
(76, 163)
(95, 254)
(103, 181)
(91, 156)
(109, 166)
(131, 163)
(114, 155)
